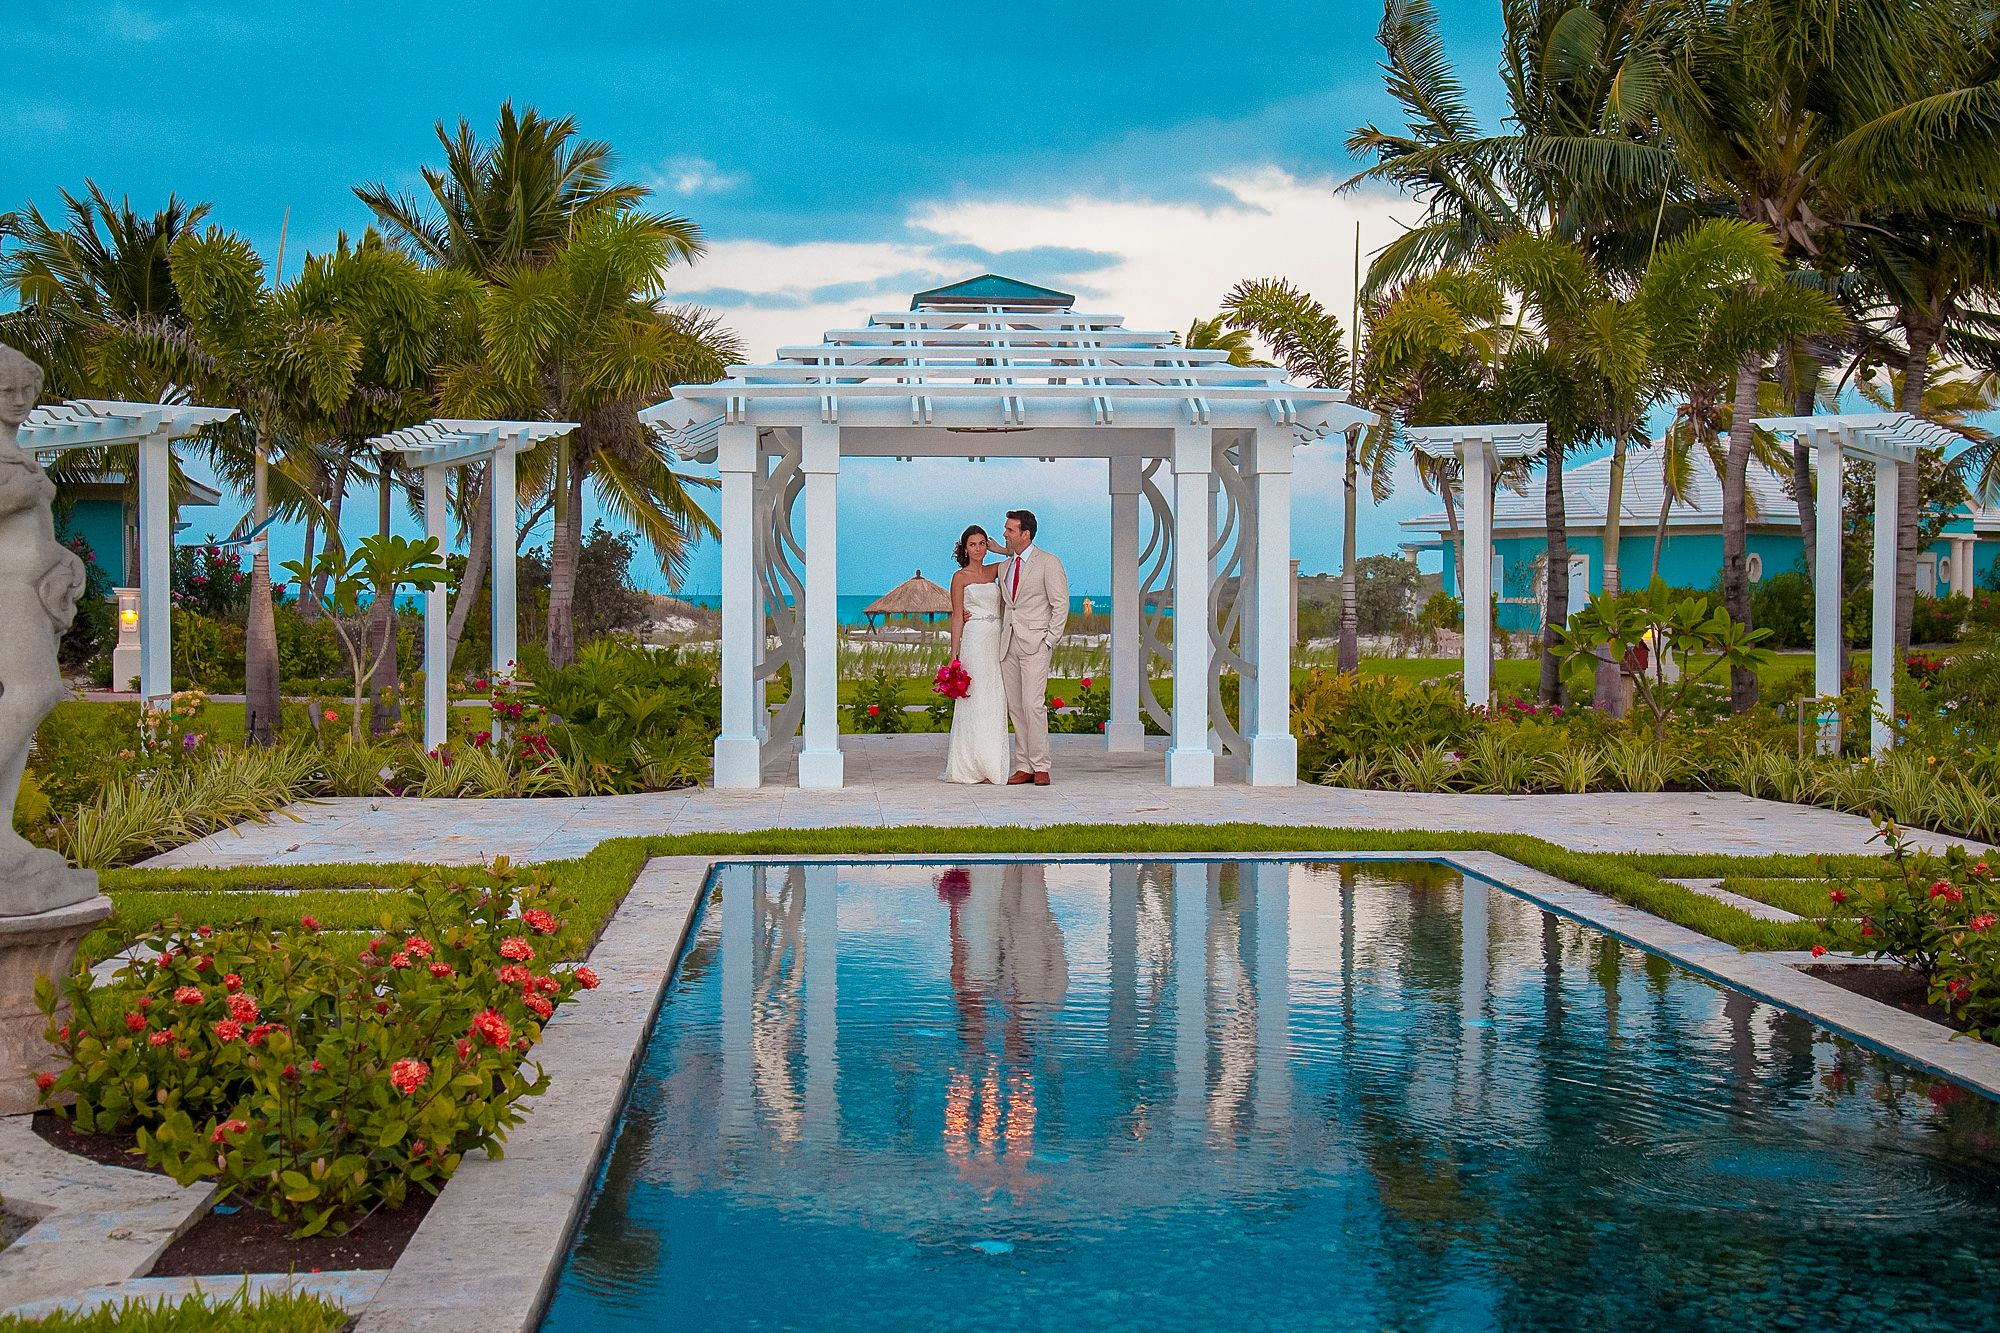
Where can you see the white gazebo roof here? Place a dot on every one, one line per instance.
(460, 440)
(89, 423)
(993, 355)
(1507, 439)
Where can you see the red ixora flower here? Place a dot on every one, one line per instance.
(187, 995)
(232, 983)
(492, 1029)
(1946, 890)
(45, 1081)
(1085, 682)
(440, 969)
(135, 1022)
(408, 1075)
(1819, 951)
(399, 960)
(1838, 896)
(1958, 988)
(417, 947)
(160, 1038)
(585, 978)
(310, 923)
(538, 1006)
(242, 1008)
(228, 1127)
(1983, 920)
(1978, 867)
(539, 921)
(516, 948)
(1056, 702)
(228, 1030)
(513, 974)
(874, 709)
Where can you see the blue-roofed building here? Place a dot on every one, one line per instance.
(104, 513)
(1963, 557)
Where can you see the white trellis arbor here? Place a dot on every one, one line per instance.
(1890, 440)
(92, 423)
(1479, 451)
(448, 442)
(990, 368)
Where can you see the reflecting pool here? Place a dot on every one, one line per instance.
(1253, 1095)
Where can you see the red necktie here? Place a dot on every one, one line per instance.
(1015, 591)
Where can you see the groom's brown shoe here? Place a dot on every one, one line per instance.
(1024, 776)
(1041, 779)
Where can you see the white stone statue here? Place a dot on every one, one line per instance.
(40, 580)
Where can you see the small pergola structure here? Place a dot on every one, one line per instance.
(1890, 440)
(448, 442)
(1479, 451)
(92, 423)
(993, 367)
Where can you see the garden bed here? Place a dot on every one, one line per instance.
(248, 1240)
(1896, 986)
(104, 1149)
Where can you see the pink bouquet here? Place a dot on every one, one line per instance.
(953, 681)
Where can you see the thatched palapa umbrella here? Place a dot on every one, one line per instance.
(912, 597)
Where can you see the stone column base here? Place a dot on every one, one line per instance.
(41, 945)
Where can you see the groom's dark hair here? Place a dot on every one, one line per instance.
(1026, 518)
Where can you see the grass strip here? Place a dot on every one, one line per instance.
(272, 1312)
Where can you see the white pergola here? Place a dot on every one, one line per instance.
(992, 368)
(1479, 451)
(435, 446)
(91, 423)
(1890, 440)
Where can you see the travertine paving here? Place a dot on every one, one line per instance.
(892, 781)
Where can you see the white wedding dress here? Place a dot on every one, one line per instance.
(979, 750)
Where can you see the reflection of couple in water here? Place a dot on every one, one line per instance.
(1006, 949)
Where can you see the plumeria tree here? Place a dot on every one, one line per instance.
(353, 582)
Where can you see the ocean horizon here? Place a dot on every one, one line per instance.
(852, 605)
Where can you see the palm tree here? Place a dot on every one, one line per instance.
(1216, 333)
(586, 335)
(504, 206)
(1799, 114)
(103, 268)
(1308, 341)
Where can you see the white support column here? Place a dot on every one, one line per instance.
(1125, 732)
(741, 886)
(1882, 634)
(1827, 590)
(738, 758)
(156, 554)
(501, 488)
(1190, 761)
(437, 671)
(1190, 966)
(1961, 563)
(1475, 471)
(760, 505)
(1474, 966)
(822, 964)
(821, 764)
(1274, 752)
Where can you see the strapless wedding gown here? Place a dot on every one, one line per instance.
(979, 750)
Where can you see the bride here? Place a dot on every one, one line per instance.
(978, 721)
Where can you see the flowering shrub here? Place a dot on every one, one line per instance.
(1088, 709)
(1935, 914)
(210, 579)
(878, 704)
(319, 1074)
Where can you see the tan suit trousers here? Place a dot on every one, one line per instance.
(1025, 673)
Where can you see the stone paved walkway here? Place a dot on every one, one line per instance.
(891, 781)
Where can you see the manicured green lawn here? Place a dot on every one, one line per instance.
(275, 1313)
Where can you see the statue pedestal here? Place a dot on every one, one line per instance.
(41, 945)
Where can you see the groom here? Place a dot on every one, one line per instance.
(1034, 595)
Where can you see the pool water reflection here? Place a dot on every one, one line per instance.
(1260, 1095)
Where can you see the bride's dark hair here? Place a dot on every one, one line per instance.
(958, 551)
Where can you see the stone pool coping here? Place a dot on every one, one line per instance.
(487, 1256)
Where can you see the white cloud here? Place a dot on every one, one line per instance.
(1168, 261)
(692, 175)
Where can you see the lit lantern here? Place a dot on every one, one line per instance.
(125, 656)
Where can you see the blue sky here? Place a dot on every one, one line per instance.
(838, 158)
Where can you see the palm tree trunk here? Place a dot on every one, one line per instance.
(1608, 690)
(1555, 576)
(1922, 334)
(565, 546)
(1735, 518)
(310, 606)
(260, 633)
(384, 710)
(478, 555)
(1348, 660)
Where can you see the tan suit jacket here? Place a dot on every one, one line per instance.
(1034, 613)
